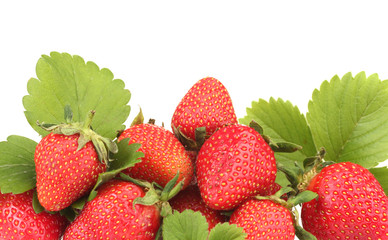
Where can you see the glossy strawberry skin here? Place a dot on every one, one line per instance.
(163, 157)
(18, 219)
(206, 104)
(111, 215)
(234, 164)
(190, 198)
(264, 219)
(64, 174)
(351, 204)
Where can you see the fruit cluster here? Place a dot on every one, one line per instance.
(209, 163)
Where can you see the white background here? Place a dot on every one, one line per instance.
(161, 48)
(257, 49)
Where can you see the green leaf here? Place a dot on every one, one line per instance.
(381, 174)
(188, 225)
(283, 122)
(127, 156)
(349, 118)
(63, 80)
(226, 231)
(17, 165)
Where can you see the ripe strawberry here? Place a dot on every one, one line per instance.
(264, 219)
(111, 215)
(63, 173)
(190, 198)
(234, 164)
(163, 157)
(351, 204)
(68, 162)
(18, 219)
(207, 104)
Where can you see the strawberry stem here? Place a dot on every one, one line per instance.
(89, 119)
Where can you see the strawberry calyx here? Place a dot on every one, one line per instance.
(312, 166)
(301, 176)
(156, 194)
(104, 146)
(139, 119)
(188, 143)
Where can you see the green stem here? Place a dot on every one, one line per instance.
(89, 118)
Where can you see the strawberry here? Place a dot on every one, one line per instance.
(163, 157)
(234, 164)
(207, 104)
(18, 219)
(64, 173)
(190, 198)
(351, 204)
(264, 219)
(112, 215)
(68, 162)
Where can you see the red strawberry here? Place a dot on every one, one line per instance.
(190, 198)
(264, 219)
(351, 204)
(234, 164)
(18, 219)
(207, 104)
(67, 163)
(111, 215)
(163, 157)
(64, 174)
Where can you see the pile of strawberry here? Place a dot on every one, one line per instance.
(209, 163)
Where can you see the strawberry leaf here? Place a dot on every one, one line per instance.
(127, 156)
(349, 118)
(187, 225)
(226, 231)
(17, 165)
(63, 80)
(283, 122)
(381, 174)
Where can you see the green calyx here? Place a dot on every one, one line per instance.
(300, 176)
(104, 146)
(191, 144)
(156, 194)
